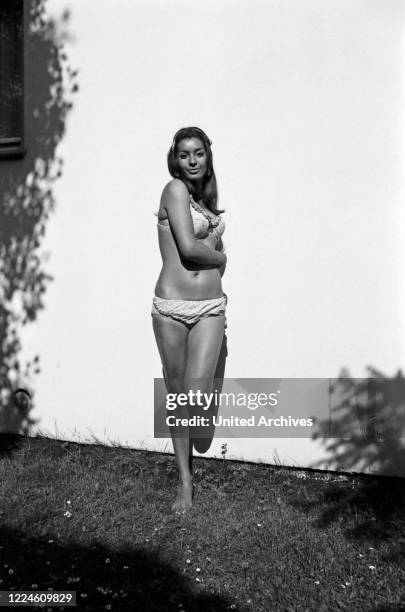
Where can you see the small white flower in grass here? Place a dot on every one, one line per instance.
(343, 586)
(68, 502)
(50, 541)
(198, 569)
(107, 560)
(197, 580)
(317, 582)
(347, 583)
(208, 559)
(360, 555)
(259, 524)
(188, 561)
(10, 571)
(371, 567)
(67, 514)
(371, 548)
(125, 567)
(84, 595)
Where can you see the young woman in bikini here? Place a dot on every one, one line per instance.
(188, 309)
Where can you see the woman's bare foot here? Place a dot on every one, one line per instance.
(184, 499)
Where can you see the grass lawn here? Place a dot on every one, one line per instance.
(96, 520)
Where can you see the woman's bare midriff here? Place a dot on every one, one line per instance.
(186, 280)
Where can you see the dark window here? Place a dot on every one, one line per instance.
(11, 78)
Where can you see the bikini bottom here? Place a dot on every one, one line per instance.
(189, 312)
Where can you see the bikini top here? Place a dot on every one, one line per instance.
(203, 223)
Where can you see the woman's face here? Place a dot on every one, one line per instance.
(192, 158)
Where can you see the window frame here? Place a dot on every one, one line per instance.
(13, 147)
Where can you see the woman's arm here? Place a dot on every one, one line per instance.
(175, 199)
(220, 247)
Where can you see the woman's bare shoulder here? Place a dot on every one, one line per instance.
(175, 191)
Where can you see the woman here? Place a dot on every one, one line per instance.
(189, 305)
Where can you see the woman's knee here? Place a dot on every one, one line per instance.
(175, 382)
(200, 384)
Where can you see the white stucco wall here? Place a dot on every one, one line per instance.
(303, 102)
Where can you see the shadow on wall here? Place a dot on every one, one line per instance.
(27, 201)
(366, 428)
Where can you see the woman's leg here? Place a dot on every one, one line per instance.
(204, 344)
(171, 338)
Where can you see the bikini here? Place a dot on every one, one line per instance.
(189, 312)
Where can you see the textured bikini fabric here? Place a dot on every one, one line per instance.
(189, 312)
(201, 224)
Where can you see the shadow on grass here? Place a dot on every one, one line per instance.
(10, 442)
(371, 508)
(27, 201)
(130, 579)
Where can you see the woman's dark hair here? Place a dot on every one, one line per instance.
(210, 189)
